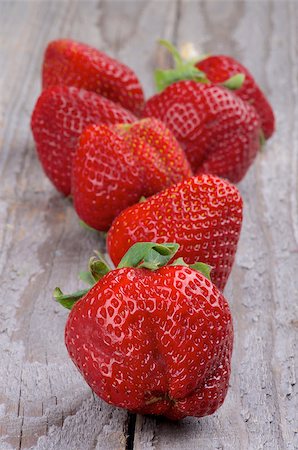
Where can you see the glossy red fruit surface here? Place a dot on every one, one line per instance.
(203, 214)
(59, 117)
(106, 177)
(219, 68)
(154, 342)
(161, 159)
(218, 131)
(114, 166)
(71, 63)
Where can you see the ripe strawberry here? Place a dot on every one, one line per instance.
(71, 63)
(218, 131)
(162, 160)
(151, 338)
(114, 166)
(219, 68)
(59, 117)
(105, 178)
(202, 214)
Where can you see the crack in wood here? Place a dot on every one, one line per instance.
(130, 431)
(20, 394)
(21, 434)
(19, 410)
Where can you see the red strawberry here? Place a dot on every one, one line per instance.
(218, 131)
(162, 160)
(221, 70)
(59, 117)
(202, 214)
(221, 67)
(153, 341)
(71, 63)
(114, 166)
(106, 177)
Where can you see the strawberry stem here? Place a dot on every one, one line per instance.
(183, 70)
(174, 52)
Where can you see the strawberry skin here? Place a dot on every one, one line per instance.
(114, 166)
(203, 214)
(105, 178)
(162, 160)
(59, 117)
(217, 130)
(219, 68)
(154, 342)
(71, 63)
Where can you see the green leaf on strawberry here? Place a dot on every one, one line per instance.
(188, 70)
(148, 255)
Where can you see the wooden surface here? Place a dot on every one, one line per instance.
(44, 403)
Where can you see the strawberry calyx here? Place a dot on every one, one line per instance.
(205, 269)
(97, 269)
(142, 255)
(185, 69)
(148, 255)
(234, 82)
(68, 300)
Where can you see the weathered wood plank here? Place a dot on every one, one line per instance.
(261, 407)
(44, 402)
(42, 244)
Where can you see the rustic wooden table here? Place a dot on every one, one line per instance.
(44, 403)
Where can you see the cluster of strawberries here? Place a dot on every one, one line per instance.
(153, 335)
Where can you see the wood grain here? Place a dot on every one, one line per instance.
(44, 403)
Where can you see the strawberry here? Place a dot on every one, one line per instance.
(219, 68)
(218, 131)
(60, 115)
(161, 157)
(202, 214)
(114, 166)
(150, 337)
(106, 177)
(71, 63)
(222, 70)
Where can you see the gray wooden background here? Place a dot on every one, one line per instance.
(44, 403)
